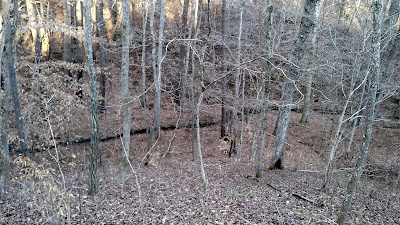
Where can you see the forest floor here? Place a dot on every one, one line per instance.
(168, 191)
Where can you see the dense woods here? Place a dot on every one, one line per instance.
(204, 112)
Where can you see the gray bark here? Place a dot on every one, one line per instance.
(310, 73)
(31, 10)
(182, 52)
(154, 67)
(101, 33)
(198, 105)
(10, 63)
(126, 104)
(143, 98)
(370, 111)
(94, 140)
(307, 24)
(236, 150)
(67, 39)
(267, 78)
(79, 45)
(5, 153)
(224, 116)
(355, 122)
(157, 103)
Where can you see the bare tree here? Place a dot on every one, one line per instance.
(267, 78)
(339, 130)
(310, 76)
(126, 105)
(224, 116)
(143, 98)
(93, 187)
(79, 45)
(101, 33)
(236, 150)
(67, 39)
(307, 24)
(182, 52)
(370, 110)
(158, 74)
(10, 66)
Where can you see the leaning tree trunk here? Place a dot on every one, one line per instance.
(224, 118)
(355, 121)
(126, 105)
(10, 63)
(370, 111)
(339, 131)
(307, 24)
(267, 78)
(94, 140)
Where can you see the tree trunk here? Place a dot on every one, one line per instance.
(94, 140)
(224, 118)
(310, 74)
(158, 74)
(198, 105)
(102, 41)
(67, 39)
(307, 24)
(79, 44)
(143, 97)
(108, 19)
(5, 154)
(157, 104)
(31, 10)
(182, 53)
(370, 111)
(126, 104)
(355, 121)
(44, 33)
(150, 139)
(10, 66)
(234, 150)
(267, 78)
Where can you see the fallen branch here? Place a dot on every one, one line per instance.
(307, 200)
